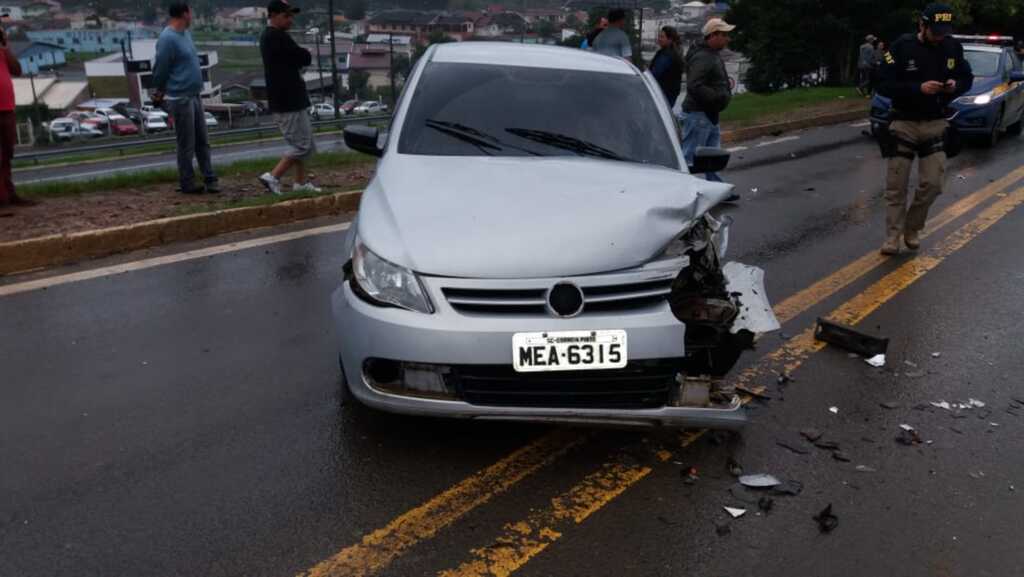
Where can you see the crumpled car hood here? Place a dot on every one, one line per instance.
(480, 217)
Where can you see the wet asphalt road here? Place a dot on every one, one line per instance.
(225, 154)
(184, 419)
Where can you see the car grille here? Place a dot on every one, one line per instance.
(602, 298)
(641, 385)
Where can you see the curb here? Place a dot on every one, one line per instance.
(752, 132)
(59, 249)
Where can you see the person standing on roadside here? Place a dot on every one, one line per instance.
(922, 73)
(283, 60)
(613, 40)
(667, 65)
(588, 41)
(178, 82)
(865, 63)
(708, 92)
(9, 66)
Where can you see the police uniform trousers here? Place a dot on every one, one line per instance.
(924, 140)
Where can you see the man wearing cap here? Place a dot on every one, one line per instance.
(708, 91)
(283, 60)
(177, 83)
(922, 73)
(865, 63)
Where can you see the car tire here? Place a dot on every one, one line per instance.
(993, 137)
(1015, 128)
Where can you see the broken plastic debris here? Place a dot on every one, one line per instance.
(736, 513)
(865, 469)
(876, 361)
(907, 428)
(834, 410)
(908, 436)
(915, 374)
(826, 520)
(975, 403)
(759, 481)
(936, 355)
(793, 447)
(790, 487)
(942, 405)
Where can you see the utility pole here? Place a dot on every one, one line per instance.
(334, 58)
(522, 29)
(391, 67)
(319, 63)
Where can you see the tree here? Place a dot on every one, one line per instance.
(435, 37)
(546, 29)
(355, 10)
(402, 66)
(358, 84)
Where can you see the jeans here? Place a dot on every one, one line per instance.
(190, 130)
(699, 131)
(8, 138)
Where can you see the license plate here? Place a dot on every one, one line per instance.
(569, 351)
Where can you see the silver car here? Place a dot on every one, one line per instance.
(532, 247)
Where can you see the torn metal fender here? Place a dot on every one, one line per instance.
(747, 284)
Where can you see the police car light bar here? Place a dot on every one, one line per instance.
(990, 39)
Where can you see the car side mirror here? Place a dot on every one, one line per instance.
(364, 139)
(1017, 76)
(708, 159)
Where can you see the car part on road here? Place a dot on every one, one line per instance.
(876, 361)
(908, 436)
(735, 512)
(791, 488)
(811, 435)
(759, 481)
(827, 521)
(848, 338)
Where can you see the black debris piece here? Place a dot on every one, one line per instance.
(889, 405)
(765, 504)
(923, 407)
(956, 430)
(848, 338)
(827, 445)
(793, 447)
(741, 493)
(791, 488)
(722, 529)
(668, 522)
(735, 469)
(827, 521)
(841, 456)
(908, 438)
(811, 434)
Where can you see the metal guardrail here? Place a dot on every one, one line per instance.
(123, 145)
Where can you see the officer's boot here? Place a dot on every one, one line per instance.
(893, 229)
(912, 239)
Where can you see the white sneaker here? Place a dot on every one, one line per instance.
(272, 184)
(307, 187)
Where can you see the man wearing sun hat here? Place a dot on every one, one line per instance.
(708, 91)
(922, 73)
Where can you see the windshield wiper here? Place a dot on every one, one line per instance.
(565, 142)
(485, 142)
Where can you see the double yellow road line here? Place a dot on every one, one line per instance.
(520, 541)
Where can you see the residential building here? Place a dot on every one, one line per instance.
(373, 59)
(108, 78)
(419, 25)
(37, 56)
(249, 18)
(59, 96)
(14, 9)
(538, 15)
(94, 41)
(499, 24)
(38, 10)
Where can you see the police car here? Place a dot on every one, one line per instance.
(995, 103)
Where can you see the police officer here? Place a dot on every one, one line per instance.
(922, 73)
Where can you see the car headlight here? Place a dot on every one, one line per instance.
(978, 99)
(386, 282)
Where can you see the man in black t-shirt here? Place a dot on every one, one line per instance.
(283, 61)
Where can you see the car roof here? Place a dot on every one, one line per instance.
(985, 48)
(529, 55)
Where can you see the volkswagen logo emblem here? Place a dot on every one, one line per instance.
(565, 300)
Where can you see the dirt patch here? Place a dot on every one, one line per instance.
(808, 111)
(95, 210)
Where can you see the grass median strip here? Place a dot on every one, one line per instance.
(750, 109)
(241, 168)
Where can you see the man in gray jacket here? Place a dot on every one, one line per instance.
(865, 64)
(708, 92)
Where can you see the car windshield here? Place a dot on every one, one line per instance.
(474, 109)
(983, 63)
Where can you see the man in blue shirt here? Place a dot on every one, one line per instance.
(177, 82)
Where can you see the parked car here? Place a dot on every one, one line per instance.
(155, 123)
(129, 112)
(582, 283)
(995, 103)
(371, 107)
(349, 106)
(121, 126)
(148, 109)
(90, 118)
(66, 128)
(322, 110)
(211, 120)
(253, 107)
(108, 114)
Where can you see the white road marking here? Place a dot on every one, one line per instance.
(777, 141)
(861, 124)
(26, 286)
(736, 149)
